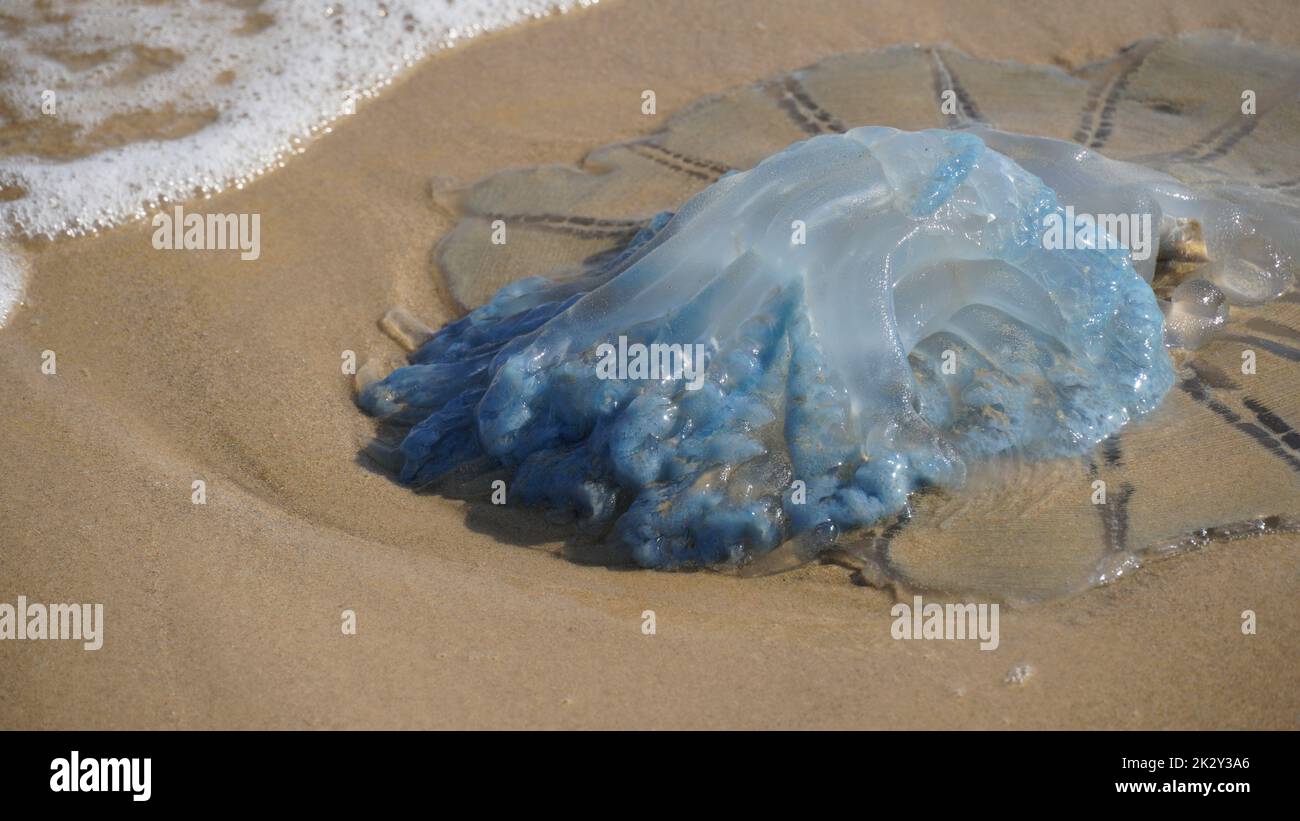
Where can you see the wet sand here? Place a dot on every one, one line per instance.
(177, 366)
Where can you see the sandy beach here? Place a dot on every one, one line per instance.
(175, 367)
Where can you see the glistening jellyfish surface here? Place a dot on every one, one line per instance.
(876, 310)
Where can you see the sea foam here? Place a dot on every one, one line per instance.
(113, 108)
(124, 105)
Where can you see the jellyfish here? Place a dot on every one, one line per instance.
(793, 357)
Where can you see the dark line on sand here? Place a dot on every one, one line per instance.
(826, 120)
(1270, 326)
(576, 226)
(799, 106)
(716, 168)
(1097, 120)
(1277, 348)
(1271, 420)
(945, 80)
(1199, 391)
(1114, 512)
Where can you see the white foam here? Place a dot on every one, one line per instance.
(13, 276)
(273, 81)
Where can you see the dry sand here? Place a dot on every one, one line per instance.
(182, 366)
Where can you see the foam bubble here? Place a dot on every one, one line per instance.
(13, 275)
(115, 107)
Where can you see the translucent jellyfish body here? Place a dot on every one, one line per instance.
(803, 345)
(1196, 310)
